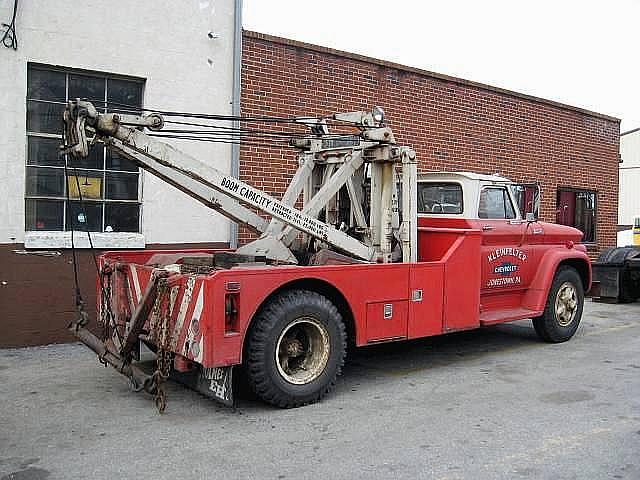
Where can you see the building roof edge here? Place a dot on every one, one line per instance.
(630, 131)
(427, 73)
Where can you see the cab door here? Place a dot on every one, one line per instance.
(507, 256)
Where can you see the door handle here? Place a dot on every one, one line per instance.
(487, 227)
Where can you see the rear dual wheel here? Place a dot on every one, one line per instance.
(296, 349)
(563, 311)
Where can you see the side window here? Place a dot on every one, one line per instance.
(495, 204)
(443, 198)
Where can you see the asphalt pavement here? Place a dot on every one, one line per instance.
(494, 403)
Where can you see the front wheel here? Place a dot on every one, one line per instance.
(296, 349)
(563, 310)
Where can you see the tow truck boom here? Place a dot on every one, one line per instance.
(324, 169)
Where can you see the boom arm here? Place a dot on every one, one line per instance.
(222, 192)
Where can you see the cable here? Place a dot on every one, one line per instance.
(10, 38)
(255, 133)
(124, 107)
(223, 132)
(73, 245)
(79, 300)
(74, 260)
(267, 119)
(86, 224)
(216, 140)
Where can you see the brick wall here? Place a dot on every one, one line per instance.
(37, 294)
(453, 124)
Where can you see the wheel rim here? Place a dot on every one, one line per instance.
(302, 351)
(566, 304)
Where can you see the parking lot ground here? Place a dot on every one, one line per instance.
(489, 404)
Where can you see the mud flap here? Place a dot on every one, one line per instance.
(216, 383)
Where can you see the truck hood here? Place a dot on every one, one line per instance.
(555, 233)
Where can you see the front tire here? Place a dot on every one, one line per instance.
(296, 349)
(563, 310)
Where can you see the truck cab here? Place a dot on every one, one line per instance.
(515, 247)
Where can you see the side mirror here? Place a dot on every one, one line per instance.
(530, 217)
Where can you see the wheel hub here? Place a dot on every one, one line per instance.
(302, 351)
(293, 347)
(566, 304)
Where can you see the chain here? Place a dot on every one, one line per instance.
(106, 313)
(163, 354)
(107, 319)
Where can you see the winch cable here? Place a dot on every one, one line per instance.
(103, 293)
(74, 260)
(214, 140)
(118, 107)
(128, 108)
(82, 319)
(265, 131)
(231, 132)
(83, 316)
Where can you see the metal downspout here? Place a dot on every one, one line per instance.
(235, 106)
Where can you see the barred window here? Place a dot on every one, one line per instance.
(109, 184)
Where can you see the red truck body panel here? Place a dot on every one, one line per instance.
(464, 278)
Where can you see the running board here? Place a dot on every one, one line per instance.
(506, 315)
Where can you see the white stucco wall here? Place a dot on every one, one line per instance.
(629, 202)
(162, 41)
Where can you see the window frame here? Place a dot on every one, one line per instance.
(60, 238)
(444, 183)
(537, 195)
(576, 190)
(506, 192)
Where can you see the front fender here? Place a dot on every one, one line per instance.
(536, 296)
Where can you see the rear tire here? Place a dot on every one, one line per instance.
(296, 349)
(563, 310)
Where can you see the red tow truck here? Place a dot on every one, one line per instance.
(377, 253)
